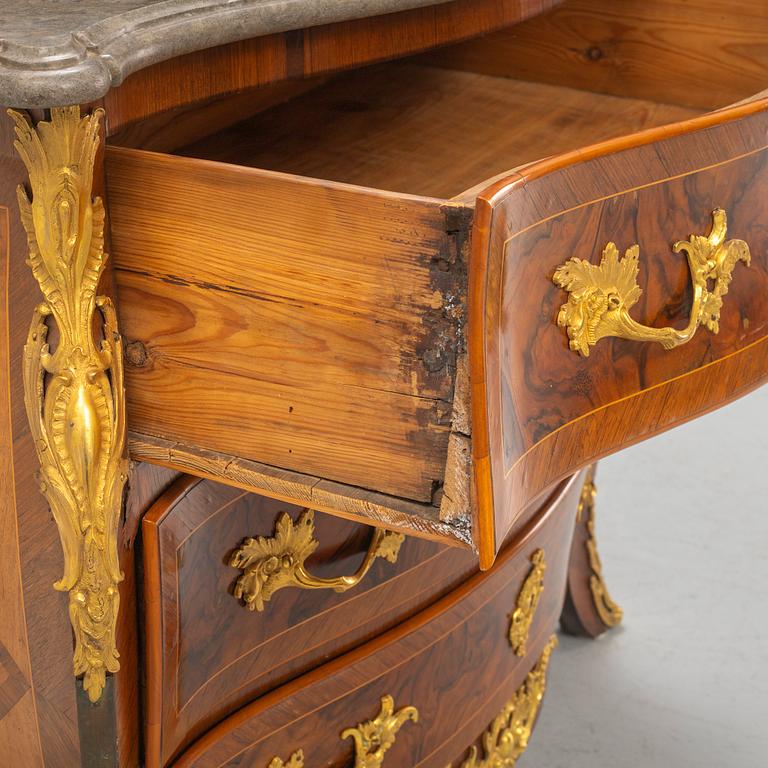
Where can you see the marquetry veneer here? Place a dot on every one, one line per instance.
(452, 661)
(208, 654)
(362, 299)
(313, 308)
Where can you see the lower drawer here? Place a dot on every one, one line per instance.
(449, 671)
(208, 655)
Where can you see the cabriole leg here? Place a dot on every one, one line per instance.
(589, 609)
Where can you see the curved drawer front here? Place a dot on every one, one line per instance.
(453, 663)
(208, 654)
(575, 365)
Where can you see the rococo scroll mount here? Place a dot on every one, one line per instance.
(74, 393)
(527, 602)
(374, 737)
(272, 563)
(600, 296)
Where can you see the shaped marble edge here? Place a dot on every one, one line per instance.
(58, 65)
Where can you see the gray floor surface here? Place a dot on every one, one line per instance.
(682, 524)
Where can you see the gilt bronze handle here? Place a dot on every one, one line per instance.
(271, 563)
(600, 296)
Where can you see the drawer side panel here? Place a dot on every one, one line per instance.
(287, 320)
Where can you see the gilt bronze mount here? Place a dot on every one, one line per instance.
(600, 296)
(527, 602)
(73, 392)
(374, 737)
(272, 563)
(508, 735)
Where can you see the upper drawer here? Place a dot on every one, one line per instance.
(307, 337)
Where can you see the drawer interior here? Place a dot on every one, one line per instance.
(420, 129)
(447, 120)
(294, 312)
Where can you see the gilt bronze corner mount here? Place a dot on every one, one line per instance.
(74, 393)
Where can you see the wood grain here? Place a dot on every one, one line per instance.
(196, 77)
(214, 72)
(53, 729)
(544, 409)
(412, 662)
(19, 728)
(354, 43)
(372, 127)
(187, 123)
(423, 520)
(221, 270)
(208, 655)
(696, 53)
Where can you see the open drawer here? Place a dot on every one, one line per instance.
(314, 310)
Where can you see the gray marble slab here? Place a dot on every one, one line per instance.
(58, 52)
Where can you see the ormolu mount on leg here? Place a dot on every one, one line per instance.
(589, 609)
(74, 393)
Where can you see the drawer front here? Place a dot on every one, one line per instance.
(208, 654)
(453, 662)
(542, 407)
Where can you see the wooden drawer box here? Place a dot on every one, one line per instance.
(208, 654)
(452, 662)
(324, 340)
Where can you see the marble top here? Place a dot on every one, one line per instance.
(58, 52)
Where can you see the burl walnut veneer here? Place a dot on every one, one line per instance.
(304, 387)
